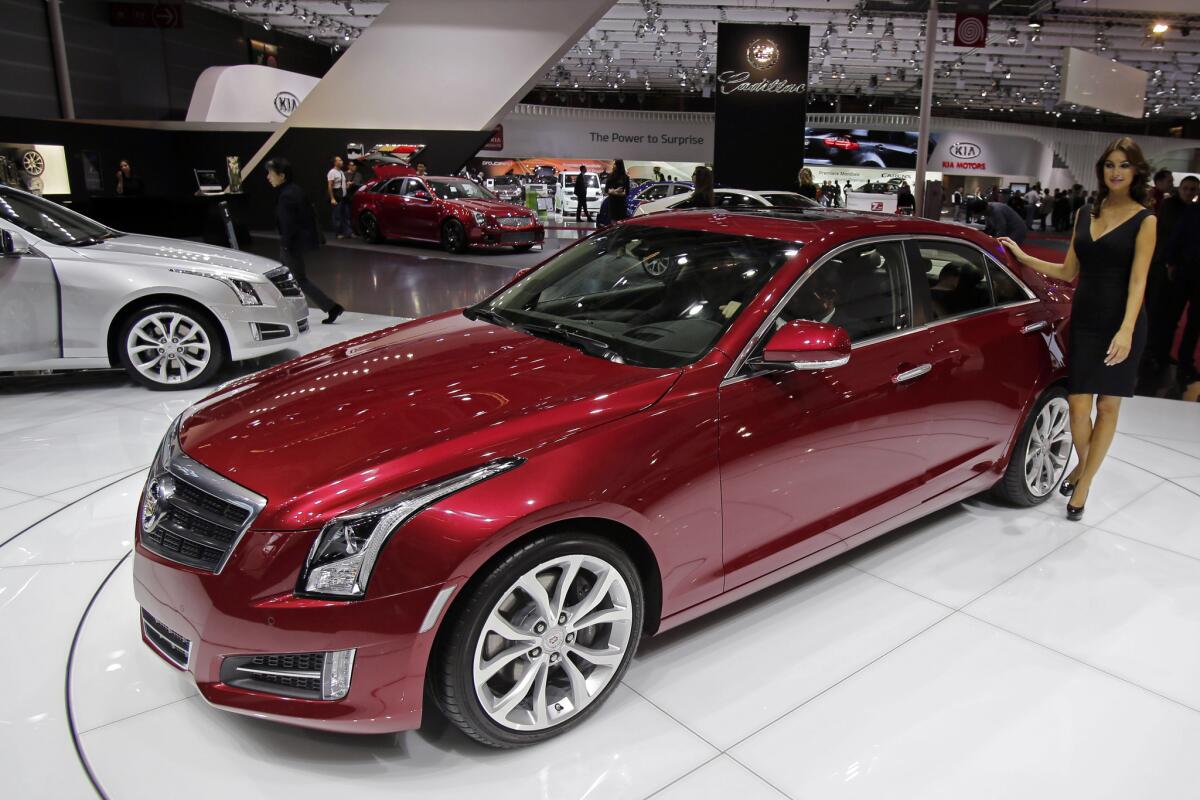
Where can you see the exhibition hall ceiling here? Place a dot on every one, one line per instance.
(865, 48)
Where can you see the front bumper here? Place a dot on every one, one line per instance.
(250, 609)
(497, 236)
(254, 331)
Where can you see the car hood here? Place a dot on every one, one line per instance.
(155, 251)
(349, 424)
(493, 207)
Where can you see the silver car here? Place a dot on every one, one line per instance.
(75, 294)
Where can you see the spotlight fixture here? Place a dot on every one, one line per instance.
(793, 16)
(1160, 28)
(1013, 38)
(1035, 21)
(870, 26)
(889, 30)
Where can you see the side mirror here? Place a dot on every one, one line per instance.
(422, 196)
(805, 345)
(13, 243)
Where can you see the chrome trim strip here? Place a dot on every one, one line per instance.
(1035, 326)
(149, 626)
(435, 609)
(282, 673)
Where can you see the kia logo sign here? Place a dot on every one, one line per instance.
(285, 103)
(965, 150)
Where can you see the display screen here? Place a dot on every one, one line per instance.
(858, 147)
(36, 168)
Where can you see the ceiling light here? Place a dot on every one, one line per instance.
(1160, 27)
(1035, 21)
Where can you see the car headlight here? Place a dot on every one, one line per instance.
(480, 218)
(344, 554)
(244, 290)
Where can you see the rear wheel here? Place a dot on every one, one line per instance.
(170, 346)
(369, 226)
(454, 236)
(1039, 460)
(541, 642)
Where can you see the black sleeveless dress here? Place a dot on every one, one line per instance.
(1099, 308)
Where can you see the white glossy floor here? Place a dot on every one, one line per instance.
(982, 653)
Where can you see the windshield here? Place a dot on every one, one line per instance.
(459, 189)
(657, 297)
(50, 221)
(506, 180)
(590, 179)
(788, 200)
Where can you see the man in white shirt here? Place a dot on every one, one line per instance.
(335, 182)
(1033, 198)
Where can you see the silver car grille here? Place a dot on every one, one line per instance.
(190, 514)
(514, 222)
(285, 282)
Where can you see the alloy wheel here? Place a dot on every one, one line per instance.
(553, 642)
(168, 347)
(1049, 448)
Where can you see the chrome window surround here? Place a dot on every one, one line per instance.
(171, 459)
(735, 372)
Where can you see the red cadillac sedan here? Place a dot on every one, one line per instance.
(455, 212)
(491, 506)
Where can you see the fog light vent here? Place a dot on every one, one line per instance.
(306, 676)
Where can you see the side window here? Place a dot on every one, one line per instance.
(956, 276)
(412, 186)
(655, 193)
(680, 188)
(1004, 287)
(733, 200)
(862, 289)
(392, 186)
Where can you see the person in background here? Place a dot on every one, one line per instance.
(420, 169)
(354, 179)
(128, 184)
(1091, 201)
(807, 187)
(1182, 256)
(335, 187)
(1164, 184)
(702, 195)
(956, 204)
(837, 195)
(999, 219)
(1110, 254)
(658, 176)
(905, 202)
(1166, 296)
(297, 223)
(581, 184)
(1077, 200)
(1033, 199)
(617, 190)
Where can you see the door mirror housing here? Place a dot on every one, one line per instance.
(422, 195)
(805, 345)
(12, 243)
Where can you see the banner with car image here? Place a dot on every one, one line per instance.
(37, 168)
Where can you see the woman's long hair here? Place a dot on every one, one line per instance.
(1139, 189)
(806, 177)
(618, 173)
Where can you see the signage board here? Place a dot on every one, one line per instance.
(248, 93)
(1099, 82)
(497, 140)
(761, 104)
(145, 15)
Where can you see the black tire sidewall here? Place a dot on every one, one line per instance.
(447, 226)
(457, 653)
(370, 232)
(212, 329)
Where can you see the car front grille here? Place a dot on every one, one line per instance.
(190, 514)
(517, 237)
(172, 646)
(287, 674)
(285, 282)
(302, 326)
(514, 222)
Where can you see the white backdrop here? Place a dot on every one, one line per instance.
(247, 93)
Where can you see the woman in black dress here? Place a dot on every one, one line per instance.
(1110, 253)
(617, 190)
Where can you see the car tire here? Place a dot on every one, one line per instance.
(1039, 460)
(454, 236)
(368, 225)
(170, 347)
(539, 663)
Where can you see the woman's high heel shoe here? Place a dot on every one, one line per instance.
(1066, 488)
(1074, 514)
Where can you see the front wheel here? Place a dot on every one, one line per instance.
(369, 226)
(541, 642)
(170, 346)
(1039, 461)
(454, 236)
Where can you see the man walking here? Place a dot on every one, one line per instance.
(1033, 199)
(581, 200)
(297, 223)
(956, 202)
(335, 185)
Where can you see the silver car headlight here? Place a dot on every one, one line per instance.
(344, 554)
(244, 290)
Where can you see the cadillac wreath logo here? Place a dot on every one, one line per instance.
(762, 54)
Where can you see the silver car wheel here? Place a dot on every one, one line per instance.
(168, 347)
(1049, 448)
(553, 642)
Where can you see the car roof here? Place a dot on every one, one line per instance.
(813, 226)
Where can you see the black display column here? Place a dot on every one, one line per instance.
(762, 103)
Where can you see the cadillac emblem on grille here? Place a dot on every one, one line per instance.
(158, 496)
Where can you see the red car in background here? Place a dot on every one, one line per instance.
(490, 506)
(455, 212)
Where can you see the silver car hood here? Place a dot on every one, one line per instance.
(156, 251)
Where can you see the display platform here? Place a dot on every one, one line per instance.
(984, 651)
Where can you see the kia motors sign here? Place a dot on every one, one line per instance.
(496, 142)
(285, 103)
(965, 150)
(248, 93)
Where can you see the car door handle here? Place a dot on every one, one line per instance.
(1034, 327)
(911, 374)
